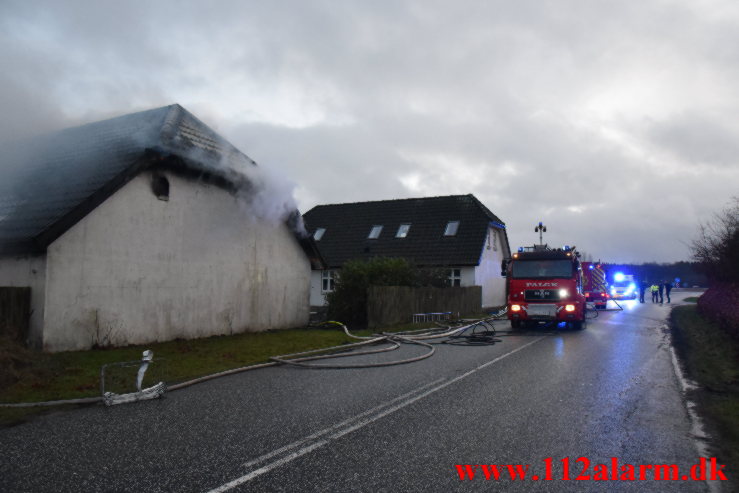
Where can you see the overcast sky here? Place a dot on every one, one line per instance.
(615, 123)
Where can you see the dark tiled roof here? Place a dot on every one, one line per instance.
(63, 175)
(348, 226)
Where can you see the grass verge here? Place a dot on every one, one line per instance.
(33, 376)
(711, 358)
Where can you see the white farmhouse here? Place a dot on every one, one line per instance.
(147, 227)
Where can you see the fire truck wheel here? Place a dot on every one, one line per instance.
(578, 325)
(515, 324)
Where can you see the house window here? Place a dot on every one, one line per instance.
(160, 186)
(318, 234)
(455, 277)
(327, 281)
(375, 232)
(403, 231)
(451, 228)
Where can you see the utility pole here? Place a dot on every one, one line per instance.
(540, 229)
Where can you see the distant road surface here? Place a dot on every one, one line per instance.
(608, 394)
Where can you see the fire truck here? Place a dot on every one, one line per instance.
(594, 284)
(544, 285)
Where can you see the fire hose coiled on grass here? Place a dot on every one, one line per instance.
(302, 359)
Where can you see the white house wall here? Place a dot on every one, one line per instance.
(138, 269)
(487, 273)
(27, 271)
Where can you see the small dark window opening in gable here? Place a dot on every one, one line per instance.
(160, 186)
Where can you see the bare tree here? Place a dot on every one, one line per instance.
(717, 247)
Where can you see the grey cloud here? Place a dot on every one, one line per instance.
(700, 139)
(588, 115)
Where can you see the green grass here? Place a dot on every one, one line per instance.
(76, 374)
(711, 358)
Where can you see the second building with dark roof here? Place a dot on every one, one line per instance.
(455, 232)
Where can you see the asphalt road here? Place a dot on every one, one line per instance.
(609, 391)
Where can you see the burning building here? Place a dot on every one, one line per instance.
(148, 227)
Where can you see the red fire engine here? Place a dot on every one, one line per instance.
(544, 284)
(594, 285)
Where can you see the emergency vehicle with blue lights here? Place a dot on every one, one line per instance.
(544, 285)
(623, 287)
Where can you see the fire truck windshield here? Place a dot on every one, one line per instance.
(541, 269)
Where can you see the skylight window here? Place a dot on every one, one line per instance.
(375, 232)
(451, 228)
(318, 234)
(403, 231)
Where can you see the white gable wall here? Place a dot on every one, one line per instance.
(138, 269)
(487, 273)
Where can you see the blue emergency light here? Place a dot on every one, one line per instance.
(618, 276)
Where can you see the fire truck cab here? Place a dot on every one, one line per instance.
(544, 284)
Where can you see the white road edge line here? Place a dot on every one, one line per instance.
(697, 429)
(307, 449)
(341, 424)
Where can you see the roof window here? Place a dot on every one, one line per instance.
(318, 233)
(403, 231)
(451, 228)
(375, 232)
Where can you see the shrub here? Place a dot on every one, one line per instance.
(720, 303)
(348, 302)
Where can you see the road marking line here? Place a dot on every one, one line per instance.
(317, 434)
(360, 424)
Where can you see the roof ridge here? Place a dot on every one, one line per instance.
(398, 200)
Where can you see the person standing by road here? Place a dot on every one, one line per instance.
(643, 285)
(668, 288)
(655, 291)
(661, 288)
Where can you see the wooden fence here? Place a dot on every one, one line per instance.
(15, 312)
(390, 305)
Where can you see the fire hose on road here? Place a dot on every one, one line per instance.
(302, 359)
